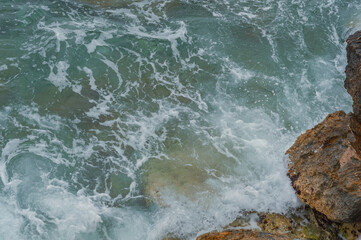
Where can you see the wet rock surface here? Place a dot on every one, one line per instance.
(353, 72)
(325, 169)
(300, 224)
(240, 234)
(325, 162)
(353, 84)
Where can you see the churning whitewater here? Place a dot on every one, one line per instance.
(132, 120)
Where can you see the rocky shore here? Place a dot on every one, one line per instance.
(325, 171)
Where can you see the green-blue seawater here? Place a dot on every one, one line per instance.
(141, 119)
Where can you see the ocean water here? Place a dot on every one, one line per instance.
(143, 119)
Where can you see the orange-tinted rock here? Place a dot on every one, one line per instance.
(301, 224)
(325, 169)
(240, 235)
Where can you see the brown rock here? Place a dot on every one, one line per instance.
(304, 226)
(353, 84)
(240, 235)
(356, 129)
(353, 72)
(301, 224)
(325, 169)
(350, 231)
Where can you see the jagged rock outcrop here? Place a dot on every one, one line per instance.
(353, 84)
(241, 234)
(353, 72)
(325, 169)
(302, 224)
(325, 162)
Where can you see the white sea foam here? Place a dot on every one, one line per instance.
(102, 107)
(92, 83)
(59, 78)
(3, 67)
(100, 41)
(70, 213)
(205, 103)
(165, 34)
(10, 150)
(114, 67)
(10, 222)
(60, 33)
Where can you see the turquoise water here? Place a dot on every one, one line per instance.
(146, 119)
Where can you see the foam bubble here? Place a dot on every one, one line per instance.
(58, 75)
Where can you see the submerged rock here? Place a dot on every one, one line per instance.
(325, 169)
(163, 175)
(182, 174)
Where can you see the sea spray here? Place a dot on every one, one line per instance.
(145, 119)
